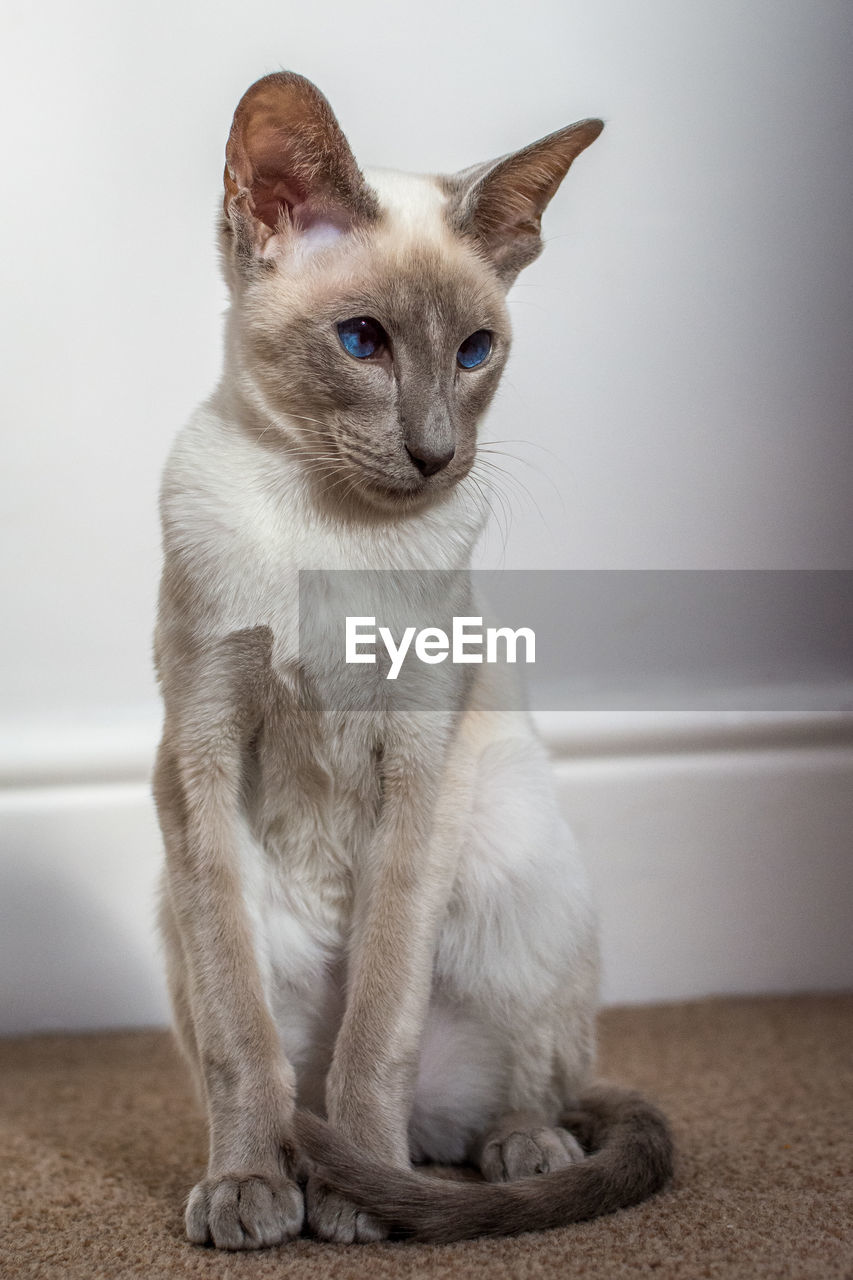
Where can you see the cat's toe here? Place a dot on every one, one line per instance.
(528, 1153)
(244, 1213)
(332, 1217)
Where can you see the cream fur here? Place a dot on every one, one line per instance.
(376, 915)
(519, 931)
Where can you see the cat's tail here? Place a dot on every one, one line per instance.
(630, 1159)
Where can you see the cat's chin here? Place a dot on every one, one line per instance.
(371, 498)
(391, 499)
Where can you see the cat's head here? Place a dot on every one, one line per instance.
(369, 325)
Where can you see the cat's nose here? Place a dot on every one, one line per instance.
(429, 461)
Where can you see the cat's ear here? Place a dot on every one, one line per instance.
(289, 170)
(499, 204)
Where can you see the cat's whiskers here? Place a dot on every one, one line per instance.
(484, 487)
(514, 479)
(301, 417)
(487, 447)
(529, 444)
(508, 476)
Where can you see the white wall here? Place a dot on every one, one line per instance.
(719, 852)
(683, 347)
(681, 387)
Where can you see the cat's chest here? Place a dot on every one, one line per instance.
(316, 793)
(310, 814)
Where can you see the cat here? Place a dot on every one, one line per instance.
(379, 938)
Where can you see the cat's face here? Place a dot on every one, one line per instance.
(376, 354)
(369, 320)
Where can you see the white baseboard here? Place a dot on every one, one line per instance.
(719, 846)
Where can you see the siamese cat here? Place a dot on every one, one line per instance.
(380, 943)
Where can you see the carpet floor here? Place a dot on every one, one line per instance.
(100, 1143)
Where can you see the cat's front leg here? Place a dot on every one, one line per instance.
(249, 1197)
(401, 895)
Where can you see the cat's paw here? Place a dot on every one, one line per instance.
(331, 1217)
(244, 1213)
(526, 1153)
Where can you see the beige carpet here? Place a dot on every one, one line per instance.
(100, 1143)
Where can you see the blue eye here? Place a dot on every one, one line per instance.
(362, 337)
(474, 350)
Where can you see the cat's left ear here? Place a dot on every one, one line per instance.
(499, 204)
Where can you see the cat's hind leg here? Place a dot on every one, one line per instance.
(523, 1145)
(518, 952)
(333, 1217)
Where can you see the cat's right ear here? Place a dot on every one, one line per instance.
(289, 172)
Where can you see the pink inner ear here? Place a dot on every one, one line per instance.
(270, 198)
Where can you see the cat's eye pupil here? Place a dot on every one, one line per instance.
(362, 337)
(474, 350)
